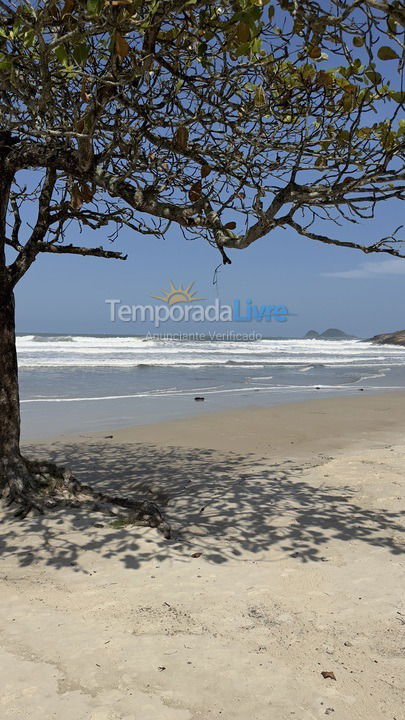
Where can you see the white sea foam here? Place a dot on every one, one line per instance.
(121, 352)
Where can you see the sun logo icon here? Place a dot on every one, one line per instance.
(178, 295)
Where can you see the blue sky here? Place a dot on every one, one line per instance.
(321, 285)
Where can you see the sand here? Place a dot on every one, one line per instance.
(287, 560)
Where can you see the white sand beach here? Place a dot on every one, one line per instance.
(286, 561)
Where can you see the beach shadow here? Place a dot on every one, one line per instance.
(226, 506)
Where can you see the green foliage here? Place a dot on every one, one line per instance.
(62, 55)
(95, 7)
(180, 95)
(80, 53)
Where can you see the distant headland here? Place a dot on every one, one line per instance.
(329, 334)
(394, 338)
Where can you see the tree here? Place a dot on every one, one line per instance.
(227, 118)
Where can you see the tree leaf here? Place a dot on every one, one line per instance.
(121, 46)
(358, 42)
(205, 170)
(315, 52)
(5, 63)
(80, 53)
(374, 77)
(324, 79)
(83, 92)
(387, 53)
(95, 7)
(195, 191)
(243, 32)
(29, 38)
(230, 225)
(399, 97)
(181, 136)
(86, 193)
(61, 54)
(343, 136)
(392, 25)
(347, 102)
(76, 200)
(260, 97)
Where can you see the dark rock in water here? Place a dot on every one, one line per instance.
(199, 398)
(335, 334)
(329, 334)
(395, 338)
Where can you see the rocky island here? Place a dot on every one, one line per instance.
(394, 338)
(329, 334)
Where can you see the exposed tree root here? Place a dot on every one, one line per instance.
(33, 485)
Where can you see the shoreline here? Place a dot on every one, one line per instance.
(117, 412)
(319, 423)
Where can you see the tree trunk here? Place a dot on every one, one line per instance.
(28, 483)
(34, 485)
(13, 474)
(15, 479)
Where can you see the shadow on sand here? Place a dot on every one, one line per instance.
(226, 506)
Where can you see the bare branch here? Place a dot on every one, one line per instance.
(76, 250)
(379, 247)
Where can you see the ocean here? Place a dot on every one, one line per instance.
(76, 383)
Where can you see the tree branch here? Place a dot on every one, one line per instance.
(77, 250)
(377, 247)
(28, 252)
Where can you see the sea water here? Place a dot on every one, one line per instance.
(75, 383)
